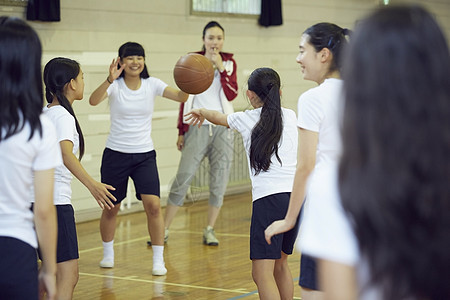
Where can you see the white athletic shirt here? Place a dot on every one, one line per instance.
(65, 130)
(329, 235)
(19, 158)
(131, 115)
(318, 111)
(279, 178)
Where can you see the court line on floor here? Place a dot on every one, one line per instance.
(238, 291)
(256, 292)
(174, 231)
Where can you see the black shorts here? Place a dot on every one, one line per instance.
(265, 211)
(18, 270)
(67, 242)
(141, 167)
(308, 273)
(67, 234)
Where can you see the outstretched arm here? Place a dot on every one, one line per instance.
(174, 94)
(99, 190)
(198, 116)
(100, 93)
(305, 165)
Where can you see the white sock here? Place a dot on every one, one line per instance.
(209, 227)
(158, 258)
(108, 249)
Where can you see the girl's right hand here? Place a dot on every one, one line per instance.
(195, 117)
(101, 193)
(115, 72)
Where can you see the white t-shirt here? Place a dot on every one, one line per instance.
(329, 235)
(65, 130)
(131, 115)
(318, 111)
(19, 158)
(280, 177)
(210, 99)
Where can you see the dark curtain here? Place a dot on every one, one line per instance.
(270, 13)
(44, 10)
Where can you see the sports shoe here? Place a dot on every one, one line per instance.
(107, 262)
(159, 270)
(166, 237)
(209, 237)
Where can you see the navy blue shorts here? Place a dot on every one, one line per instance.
(308, 273)
(67, 243)
(265, 211)
(67, 234)
(141, 167)
(18, 270)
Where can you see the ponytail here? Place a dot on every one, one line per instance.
(330, 36)
(266, 134)
(57, 74)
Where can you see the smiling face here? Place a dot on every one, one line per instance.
(309, 60)
(134, 65)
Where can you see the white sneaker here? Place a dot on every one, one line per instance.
(159, 270)
(209, 237)
(107, 262)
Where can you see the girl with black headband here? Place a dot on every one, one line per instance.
(129, 148)
(319, 139)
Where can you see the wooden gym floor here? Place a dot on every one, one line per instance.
(195, 271)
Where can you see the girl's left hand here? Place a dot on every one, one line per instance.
(195, 117)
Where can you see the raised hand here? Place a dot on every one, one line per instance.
(115, 72)
(215, 58)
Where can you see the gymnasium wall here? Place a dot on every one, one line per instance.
(91, 32)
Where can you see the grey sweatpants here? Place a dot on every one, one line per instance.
(215, 142)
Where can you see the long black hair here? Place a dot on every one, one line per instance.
(266, 134)
(20, 78)
(394, 173)
(131, 49)
(58, 72)
(330, 36)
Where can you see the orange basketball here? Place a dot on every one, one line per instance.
(193, 73)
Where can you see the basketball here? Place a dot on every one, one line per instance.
(193, 73)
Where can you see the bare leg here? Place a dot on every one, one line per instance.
(171, 211)
(66, 279)
(213, 213)
(155, 221)
(337, 280)
(308, 294)
(283, 277)
(108, 223)
(262, 272)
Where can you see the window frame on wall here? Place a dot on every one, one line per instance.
(14, 2)
(221, 13)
